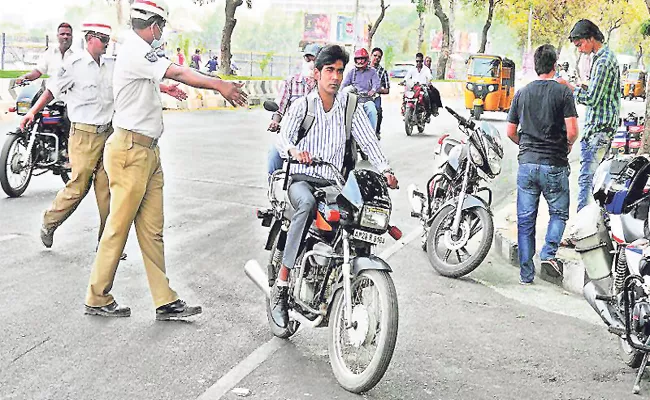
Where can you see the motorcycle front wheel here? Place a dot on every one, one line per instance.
(408, 117)
(15, 166)
(452, 255)
(360, 355)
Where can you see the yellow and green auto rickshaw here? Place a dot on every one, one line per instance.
(634, 82)
(490, 84)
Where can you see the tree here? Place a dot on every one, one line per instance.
(445, 50)
(420, 8)
(488, 20)
(372, 28)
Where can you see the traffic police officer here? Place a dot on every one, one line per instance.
(85, 83)
(132, 161)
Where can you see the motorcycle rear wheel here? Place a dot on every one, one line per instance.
(372, 336)
(292, 327)
(480, 222)
(14, 176)
(631, 356)
(408, 117)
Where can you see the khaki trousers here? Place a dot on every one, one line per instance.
(85, 150)
(136, 186)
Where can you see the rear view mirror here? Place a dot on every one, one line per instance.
(270, 105)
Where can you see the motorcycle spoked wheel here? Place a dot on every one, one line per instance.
(408, 117)
(292, 327)
(15, 171)
(474, 221)
(359, 356)
(631, 356)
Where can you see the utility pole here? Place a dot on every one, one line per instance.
(530, 24)
(357, 28)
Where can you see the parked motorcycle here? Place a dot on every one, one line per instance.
(457, 223)
(40, 148)
(612, 240)
(627, 140)
(338, 282)
(413, 108)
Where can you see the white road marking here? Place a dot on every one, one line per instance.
(249, 364)
(10, 236)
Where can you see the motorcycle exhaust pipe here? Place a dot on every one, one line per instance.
(591, 291)
(256, 274)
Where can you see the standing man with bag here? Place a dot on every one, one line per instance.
(132, 162)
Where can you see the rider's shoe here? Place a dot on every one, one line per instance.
(279, 306)
(47, 236)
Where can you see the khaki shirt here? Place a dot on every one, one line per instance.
(50, 61)
(86, 88)
(136, 80)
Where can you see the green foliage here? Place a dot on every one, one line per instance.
(389, 57)
(12, 74)
(644, 29)
(264, 62)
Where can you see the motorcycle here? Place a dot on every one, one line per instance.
(627, 140)
(413, 108)
(457, 223)
(40, 148)
(612, 240)
(338, 281)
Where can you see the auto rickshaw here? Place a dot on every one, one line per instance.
(634, 82)
(490, 84)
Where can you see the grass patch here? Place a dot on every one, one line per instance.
(10, 74)
(250, 78)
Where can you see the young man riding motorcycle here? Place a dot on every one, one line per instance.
(420, 74)
(326, 139)
(366, 82)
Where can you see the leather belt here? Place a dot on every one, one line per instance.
(144, 140)
(93, 128)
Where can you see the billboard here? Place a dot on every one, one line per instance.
(317, 27)
(345, 29)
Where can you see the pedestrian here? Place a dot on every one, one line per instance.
(85, 83)
(292, 89)
(602, 100)
(384, 85)
(196, 60)
(51, 61)
(427, 62)
(212, 65)
(180, 58)
(546, 114)
(133, 165)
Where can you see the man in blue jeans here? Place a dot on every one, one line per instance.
(546, 114)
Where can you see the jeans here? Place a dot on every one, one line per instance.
(553, 183)
(371, 111)
(591, 154)
(380, 115)
(274, 161)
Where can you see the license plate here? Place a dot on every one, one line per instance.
(368, 237)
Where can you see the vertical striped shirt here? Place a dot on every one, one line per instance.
(292, 89)
(602, 97)
(326, 138)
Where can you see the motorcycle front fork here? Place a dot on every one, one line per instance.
(346, 269)
(461, 199)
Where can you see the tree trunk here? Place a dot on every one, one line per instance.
(228, 27)
(452, 34)
(444, 51)
(373, 27)
(486, 27)
(639, 56)
(420, 31)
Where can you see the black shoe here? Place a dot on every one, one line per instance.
(47, 236)
(279, 307)
(111, 310)
(176, 309)
(553, 267)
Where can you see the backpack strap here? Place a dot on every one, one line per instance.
(307, 121)
(350, 155)
(350, 108)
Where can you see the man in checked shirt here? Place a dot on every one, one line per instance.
(326, 139)
(384, 84)
(294, 88)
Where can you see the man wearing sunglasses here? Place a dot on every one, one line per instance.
(603, 103)
(53, 58)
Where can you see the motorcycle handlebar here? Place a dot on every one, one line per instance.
(461, 119)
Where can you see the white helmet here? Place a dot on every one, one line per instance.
(145, 9)
(98, 27)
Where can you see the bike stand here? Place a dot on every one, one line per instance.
(637, 382)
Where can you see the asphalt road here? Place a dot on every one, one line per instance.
(481, 337)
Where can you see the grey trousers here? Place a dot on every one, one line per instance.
(303, 201)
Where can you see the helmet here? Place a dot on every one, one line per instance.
(311, 49)
(145, 9)
(96, 27)
(361, 53)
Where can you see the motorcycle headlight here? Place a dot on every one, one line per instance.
(375, 217)
(409, 94)
(22, 107)
(491, 88)
(476, 155)
(470, 86)
(494, 161)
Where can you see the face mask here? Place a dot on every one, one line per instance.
(156, 43)
(307, 69)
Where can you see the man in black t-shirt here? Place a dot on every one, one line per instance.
(546, 114)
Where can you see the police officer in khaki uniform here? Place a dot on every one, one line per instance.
(132, 161)
(85, 83)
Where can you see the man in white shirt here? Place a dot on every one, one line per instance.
(421, 75)
(53, 58)
(133, 166)
(85, 83)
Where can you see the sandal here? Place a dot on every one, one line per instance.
(568, 242)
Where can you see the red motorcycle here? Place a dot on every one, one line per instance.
(413, 108)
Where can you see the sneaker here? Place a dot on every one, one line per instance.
(47, 236)
(524, 283)
(553, 267)
(279, 306)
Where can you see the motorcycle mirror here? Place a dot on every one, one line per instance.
(270, 105)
